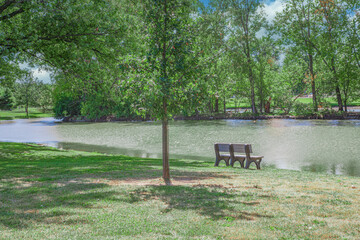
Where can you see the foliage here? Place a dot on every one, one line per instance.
(177, 57)
(45, 96)
(26, 91)
(66, 106)
(302, 109)
(7, 100)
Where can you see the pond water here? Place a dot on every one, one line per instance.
(313, 145)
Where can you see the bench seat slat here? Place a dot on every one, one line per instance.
(224, 155)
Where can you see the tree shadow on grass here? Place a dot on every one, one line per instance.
(46, 186)
(55, 166)
(20, 148)
(23, 206)
(214, 202)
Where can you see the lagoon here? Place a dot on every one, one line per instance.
(331, 146)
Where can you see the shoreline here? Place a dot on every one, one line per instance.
(325, 116)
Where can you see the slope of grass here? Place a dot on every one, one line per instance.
(20, 114)
(46, 193)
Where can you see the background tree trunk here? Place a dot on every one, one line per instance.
(165, 145)
(313, 87)
(217, 104)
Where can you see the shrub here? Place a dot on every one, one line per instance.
(66, 106)
(7, 100)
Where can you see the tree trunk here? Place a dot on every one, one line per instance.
(261, 95)
(252, 82)
(345, 105)
(338, 97)
(165, 132)
(217, 104)
(210, 106)
(313, 87)
(345, 101)
(235, 104)
(224, 105)
(27, 109)
(165, 144)
(252, 86)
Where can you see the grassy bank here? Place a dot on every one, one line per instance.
(230, 103)
(47, 193)
(331, 101)
(20, 114)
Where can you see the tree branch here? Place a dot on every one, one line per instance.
(6, 5)
(11, 14)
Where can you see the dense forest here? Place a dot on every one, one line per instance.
(152, 59)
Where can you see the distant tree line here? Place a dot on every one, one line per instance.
(103, 54)
(27, 92)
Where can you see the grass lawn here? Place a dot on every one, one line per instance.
(332, 101)
(230, 103)
(20, 113)
(46, 193)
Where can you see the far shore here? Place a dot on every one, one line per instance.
(229, 116)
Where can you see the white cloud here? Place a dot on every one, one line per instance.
(271, 8)
(42, 75)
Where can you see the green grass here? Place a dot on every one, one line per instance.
(46, 193)
(230, 103)
(330, 100)
(20, 114)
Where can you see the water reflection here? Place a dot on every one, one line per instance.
(311, 145)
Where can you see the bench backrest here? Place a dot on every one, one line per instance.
(241, 148)
(221, 147)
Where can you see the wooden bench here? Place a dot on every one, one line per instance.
(244, 148)
(222, 152)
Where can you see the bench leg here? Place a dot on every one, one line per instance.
(258, 163)
(248, 162)
(242, 163)
(216, 162)
(232, 162)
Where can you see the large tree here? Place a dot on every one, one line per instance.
(27, 92)
(298, 25)
(171, 69)
(245, 21)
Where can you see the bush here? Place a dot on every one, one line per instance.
(303, 108)
(7, 100)
(66, 106)
(97, 107)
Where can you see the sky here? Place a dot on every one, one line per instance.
(37, 73)
(271, 7)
